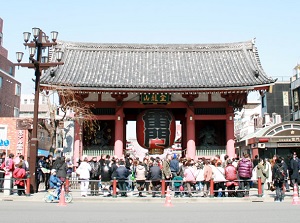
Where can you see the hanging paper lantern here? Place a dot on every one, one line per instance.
(155, 130)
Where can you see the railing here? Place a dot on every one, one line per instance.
(75, 186)
(73, 183)
(99, 152)
(204, 151)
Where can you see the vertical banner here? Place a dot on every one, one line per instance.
(68, 138)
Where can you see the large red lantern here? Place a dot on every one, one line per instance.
(155, 130)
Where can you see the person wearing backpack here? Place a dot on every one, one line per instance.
(278, 174)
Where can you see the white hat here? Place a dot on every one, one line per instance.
(53, 170)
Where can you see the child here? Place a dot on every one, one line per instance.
(54, 183)
(177, 185)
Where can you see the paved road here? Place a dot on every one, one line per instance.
(84, 212)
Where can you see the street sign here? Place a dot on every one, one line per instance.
(1, 142)
(6, 142)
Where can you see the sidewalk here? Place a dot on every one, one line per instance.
(133, 197)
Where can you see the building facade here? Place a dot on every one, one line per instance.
(198, 85)
(10, 88)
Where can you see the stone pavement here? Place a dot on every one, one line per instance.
(133, 197)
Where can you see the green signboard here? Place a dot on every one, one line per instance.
(155, 98)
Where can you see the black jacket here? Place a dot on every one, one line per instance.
(122, 173)
(154, 173)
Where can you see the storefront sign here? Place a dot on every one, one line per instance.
(289, 144)
(155, 98)
(288, 139)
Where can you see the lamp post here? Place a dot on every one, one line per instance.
(39, 52)
(80, 122)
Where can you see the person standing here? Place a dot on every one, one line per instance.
(46, 171)
(105, 176)
(189, 177)
(278, 179)
(231, 178)
(140, 177)
(166, 170)
(19, 174)
(8, 166)
(94, 176)
(2, 172)
(269, 180)
(61, 168)
(244, 168)
(122, 174)
(207, 171)
(262, 172)
(294, 170)
(155, 175)
(84, 174)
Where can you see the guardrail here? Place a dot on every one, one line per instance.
(73, 184)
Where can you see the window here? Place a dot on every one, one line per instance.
(31, 101)
(3, 132)
(18, 90)
(11, 71)
(296, 100)
(25, 101)
(16, 112)
(1, 80)
(264, 101)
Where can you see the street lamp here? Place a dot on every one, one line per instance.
(40, 48)
(80, 122)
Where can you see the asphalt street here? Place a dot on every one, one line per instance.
(21, 211)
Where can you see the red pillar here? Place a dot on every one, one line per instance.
(254, 152)
(119, 133)
(230, 150)
(190, 134)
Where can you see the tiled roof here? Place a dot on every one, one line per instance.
(176, 67)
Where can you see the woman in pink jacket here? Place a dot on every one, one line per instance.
(189, 177)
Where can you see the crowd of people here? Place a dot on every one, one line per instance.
(231, 176)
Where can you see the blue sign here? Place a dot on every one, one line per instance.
(1, 142)
(6, 142)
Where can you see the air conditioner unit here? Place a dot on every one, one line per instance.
(261, 145)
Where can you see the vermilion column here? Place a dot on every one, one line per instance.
(190, 134)
(119, 127)
(230, 150)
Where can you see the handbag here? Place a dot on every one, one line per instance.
(181, 188)
(132, 177)
(272, 187)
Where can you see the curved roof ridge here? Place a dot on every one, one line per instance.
(159, 46)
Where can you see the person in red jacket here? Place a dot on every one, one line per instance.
(19, 175)
(231, 178)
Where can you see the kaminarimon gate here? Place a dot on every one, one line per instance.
(198, 85)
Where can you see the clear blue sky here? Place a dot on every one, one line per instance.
(274, 24)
